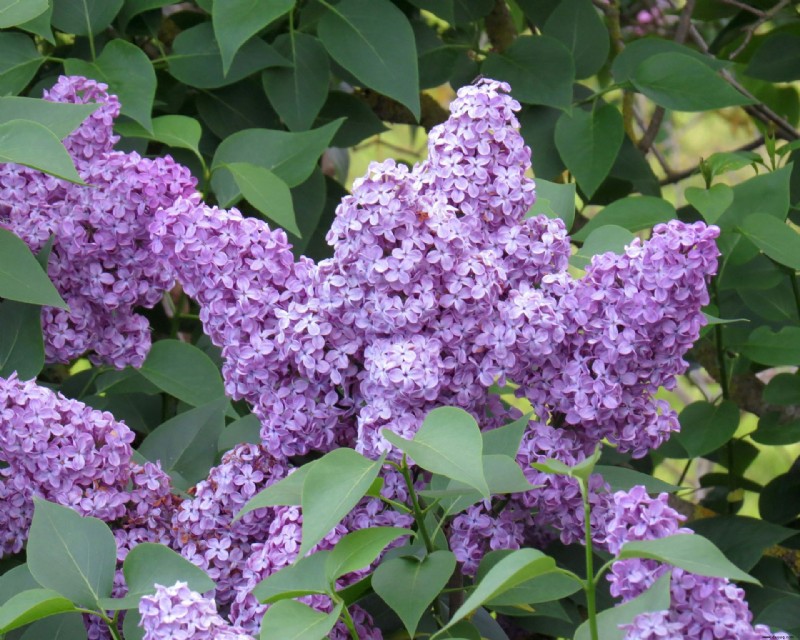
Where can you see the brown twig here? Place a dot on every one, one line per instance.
(758, 111)
(750, 31)
(500, 27)
(744, 7)
(611, 11)
(677, 176)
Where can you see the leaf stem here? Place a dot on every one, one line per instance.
(589, 584)
(348, 621)
(419, 517)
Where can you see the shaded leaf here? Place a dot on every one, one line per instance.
(409, 585)
(578, 26)
(706, 427)
(84, 17)
(236, 21)
(633, 213)
(589, 142)
(19, 62)
(129, 74)
(539, 69)
(774, 237)
(373, 40)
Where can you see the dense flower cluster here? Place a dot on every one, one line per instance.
(178, 613)
(101, 260)
(701, 607)
(61, 450)
(438, 288)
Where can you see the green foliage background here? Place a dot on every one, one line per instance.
(277, 105)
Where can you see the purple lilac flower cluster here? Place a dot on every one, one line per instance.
(701, 607)
(101, 261)
(439, 287)
(178, 613)
(61, 450)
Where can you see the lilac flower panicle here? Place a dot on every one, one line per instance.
(101, 263)
(60, 450)
(178, 613)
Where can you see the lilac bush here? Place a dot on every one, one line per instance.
(439, 287)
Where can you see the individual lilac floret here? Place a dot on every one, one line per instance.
(178, 613)
(101, 260)
(60, 450)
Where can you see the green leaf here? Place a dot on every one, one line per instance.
(682, 83)
(373, 40)
(742, 539)
(129, 74)
(285, 492)
(246, 429)
(307, 576)
(133, 8)
(516, 568)
(40, 26)
(656, 598)
(771, 431)
(149, 564)
(236, 21)
(724, 161)
(539, 69)
(32, 605)
(183, 371)
(777, 60)
(543, 588)
(181, 132)
(589, 142)
(624, 479)
(409, 585)
(711, 203)
(21, 343)
(706, 427)
(17, 12)
(633, 213)
(555, 201)
(432, 447)
(783, 389)
(503, 475)
(290, 156)
(292, 620)
(774, 237)
(773, 504)
(84, 17)
(266, 192)
(578, 26)
(21, 276)
(359, 121)
(777, 349)
(505, 440)
(196, 60)
(332, 487)
(298, 92)
(637, 51)
(456, 12)
(34, 145)
(19, 62)
(187, 443)
(538, 125)
(60, 117)
(360, 549)
(72, 555)
(15, 581)
(61, 627)
(609, 237)
(687, 551)
(767, 193)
